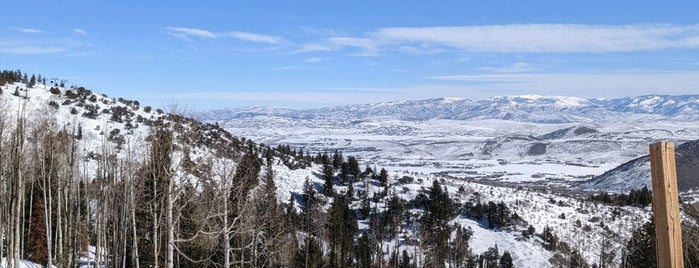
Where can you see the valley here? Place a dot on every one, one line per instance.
(523, 150)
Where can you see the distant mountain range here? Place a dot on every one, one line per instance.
(526, 108)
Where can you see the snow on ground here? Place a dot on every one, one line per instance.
(583, 225)
(481, 149)
(290, 181)
(22, 264)
(527, 253)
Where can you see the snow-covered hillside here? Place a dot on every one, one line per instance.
(480, 162)
(525, 108)
(587, 227)
(636, 173)
(534, 139)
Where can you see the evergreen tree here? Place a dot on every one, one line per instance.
(155, 176)
(309, 255)
(491, 257)
(640, 250)
(32, 81)
(404, 260)
(337, 159)
(550, 240)
(462, 254)
(435, 229)
(329, 178)
(341, 226)
(506, 260)
(353, 166)
(383, 177)
(362, 251)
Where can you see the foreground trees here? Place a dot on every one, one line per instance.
(158, 208)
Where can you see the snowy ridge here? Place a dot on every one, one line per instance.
(636, 173)
(525, 108)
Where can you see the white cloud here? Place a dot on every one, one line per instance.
(253, 37)
(316, 47)
(79, 31)
(314, 59)
(540, 38)
(29, 50)
(187, 33)
(368, 46)
(27, 30)
(518, 67)
(318, 31)
(587, 85)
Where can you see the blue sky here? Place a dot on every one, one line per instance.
(215, 54)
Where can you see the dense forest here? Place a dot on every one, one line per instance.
(193, 195)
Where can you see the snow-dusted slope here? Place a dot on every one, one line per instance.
(636, 173)
(539, 139)
(526, 108)
(488, 149)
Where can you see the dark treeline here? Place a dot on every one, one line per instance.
(638, 198)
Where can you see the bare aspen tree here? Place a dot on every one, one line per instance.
(16, 190)
(4, 185)
(43, 156)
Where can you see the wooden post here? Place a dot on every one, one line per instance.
(668, 233)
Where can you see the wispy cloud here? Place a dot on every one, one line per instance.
(29, 50)
(368, 46)
(314, 59)
(319, 31)
(316, 47)
(518, 67)
(79, 31)
(539, 38)
(188, 33)
(589, 85)
(27, 30)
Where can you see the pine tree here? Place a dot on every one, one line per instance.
(506, 260)
(155, 176)
(404, 260)
(435, 229)
(337, 159)
(462, 254)
(641, 247)
(491, 257)
(32, 81)
(383, 177)
(362, 251)
(309, 255)
(329, 179)
(341, 226)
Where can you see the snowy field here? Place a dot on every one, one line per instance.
(584, 225)
(498, 150)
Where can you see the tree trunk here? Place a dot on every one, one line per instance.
(134, 249)
(226, 235)
(170, 224)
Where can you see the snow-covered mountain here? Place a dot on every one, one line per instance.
(636, 173)
(526, 108)
(533, 139)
